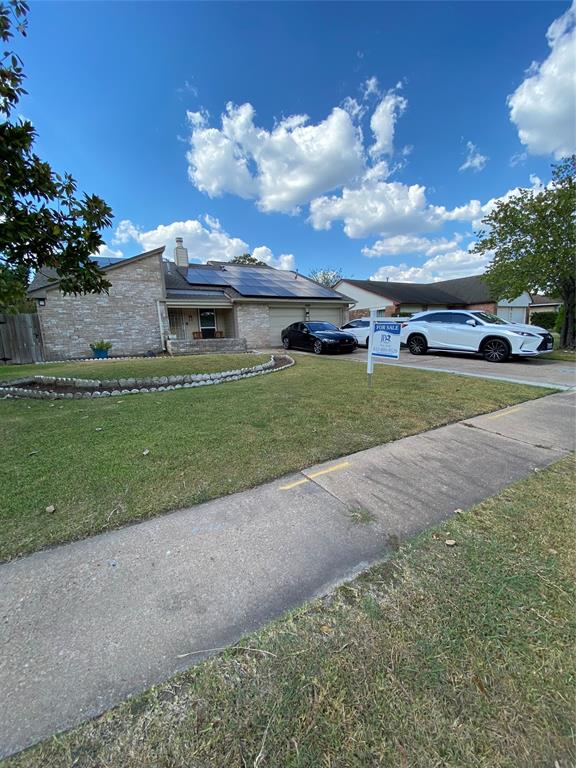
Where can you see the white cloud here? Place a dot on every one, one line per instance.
(446, 266)
(370, 86)
(198, 119)
(544, 104)
(124, 232)
(475, 161)
(106, 252)
(402, 244)
(377, 207)
(474, 211)
(282, 168)
(204, 241)
(383, 122)
(284, 261)
(518, 159)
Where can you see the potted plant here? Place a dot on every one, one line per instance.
(100, 349)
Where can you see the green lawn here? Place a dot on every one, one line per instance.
(86, 457)
(135, 367)
(456, 657)
(568, 355)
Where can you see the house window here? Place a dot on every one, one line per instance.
(207, 322)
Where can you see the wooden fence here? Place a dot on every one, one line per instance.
(20, 339)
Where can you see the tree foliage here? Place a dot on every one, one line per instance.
(532, 240)
(327, 276)
(43, 223)
(247, 258)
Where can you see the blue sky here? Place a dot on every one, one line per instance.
(366, 136)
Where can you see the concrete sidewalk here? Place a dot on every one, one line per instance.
(87, 624)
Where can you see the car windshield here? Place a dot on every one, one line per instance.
(321, 327)
(488, 317)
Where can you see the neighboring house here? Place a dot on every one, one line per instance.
(407, 298)
(541, 303)
(154, 304)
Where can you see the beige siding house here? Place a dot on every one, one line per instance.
(155, 304)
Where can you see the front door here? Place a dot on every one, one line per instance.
(207, 318)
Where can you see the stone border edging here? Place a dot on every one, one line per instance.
(116, 387)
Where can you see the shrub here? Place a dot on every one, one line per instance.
(544, 319)
(96, 346)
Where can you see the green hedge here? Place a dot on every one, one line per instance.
(545, 319)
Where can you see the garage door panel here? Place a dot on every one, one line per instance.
(280, 317)
(328, 314)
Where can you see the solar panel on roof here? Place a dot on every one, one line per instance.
(205, 277)
(262, 282)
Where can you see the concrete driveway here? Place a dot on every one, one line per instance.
(538, 371)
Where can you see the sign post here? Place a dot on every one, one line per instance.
(384, 341)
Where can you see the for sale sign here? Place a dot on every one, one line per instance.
(385, 339)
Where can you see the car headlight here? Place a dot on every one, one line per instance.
(330, 341)
(524, 333)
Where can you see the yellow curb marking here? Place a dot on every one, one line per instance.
(335, 468)
(293, 485)
(505, 413)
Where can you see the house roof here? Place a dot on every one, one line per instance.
(470, 290)
(540, 299)
(251, 281)
(216, 279)
(407, 293)
(47, 277)
(462, 290)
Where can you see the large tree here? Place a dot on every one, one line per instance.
(327, 276)
(247, 258)
(43, 223)
(532, 240)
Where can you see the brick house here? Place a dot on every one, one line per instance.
(407, 298)
(154, 304)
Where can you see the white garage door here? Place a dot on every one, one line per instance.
(512, 314)
(328, 314)
(280, 317)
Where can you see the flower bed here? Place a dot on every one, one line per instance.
(59, 388)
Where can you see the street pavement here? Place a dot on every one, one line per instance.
(87, 624)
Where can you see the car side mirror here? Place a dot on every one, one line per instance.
(305, 330)
(471, 322)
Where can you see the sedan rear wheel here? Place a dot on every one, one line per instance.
(317, 347)
(417, 344)
(286, 342)
(496, 351)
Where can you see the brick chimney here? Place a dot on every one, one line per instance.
(181, 254)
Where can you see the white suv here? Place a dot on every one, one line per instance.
(474, 331)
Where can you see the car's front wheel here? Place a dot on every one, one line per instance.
(417, 344)
(317, 347)
(496, 351)
(286, 342)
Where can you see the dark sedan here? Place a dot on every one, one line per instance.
(318, 337)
